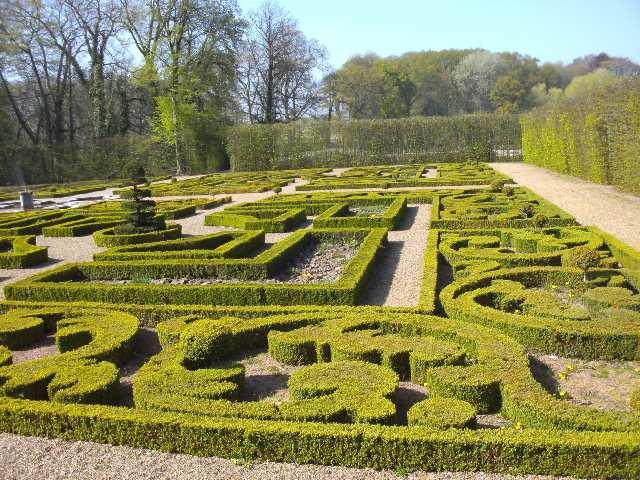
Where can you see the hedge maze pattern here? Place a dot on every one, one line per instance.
(93, 218)
(425, 175)
(506, 275)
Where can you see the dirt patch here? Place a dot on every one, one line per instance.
(146, 345)
(600, 384)
(266, 378)
(44, 348)
(407, 396)
(320, 262)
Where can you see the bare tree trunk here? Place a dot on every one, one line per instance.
(178, 156)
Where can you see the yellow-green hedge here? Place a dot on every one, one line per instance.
(595, 136)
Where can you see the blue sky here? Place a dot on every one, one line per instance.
(559, 30)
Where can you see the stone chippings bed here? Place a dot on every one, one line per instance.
(513, 361)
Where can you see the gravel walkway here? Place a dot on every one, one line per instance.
(591, 203)
(23, 458)
(399, 271)
(61, 250)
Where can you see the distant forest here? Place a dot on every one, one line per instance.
(95, 88)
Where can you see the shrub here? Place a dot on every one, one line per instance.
(22, 252)
(583, 258)
(203, 342)
(442, 413)
(496, 186)
(540, 220)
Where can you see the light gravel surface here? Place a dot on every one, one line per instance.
(399, 270)
(61, 250)
(29, 458)
(613, 211)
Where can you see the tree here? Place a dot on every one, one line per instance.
(278, 68)
(140, 210)
(189, 47)
(475, 76)
(361, 86)
(584, 85)
(583, 257)
(507, 95)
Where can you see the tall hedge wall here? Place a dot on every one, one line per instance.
(322, 143)
(594, 136)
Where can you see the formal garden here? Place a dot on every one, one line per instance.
(234, 319)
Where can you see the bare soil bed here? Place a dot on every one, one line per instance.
(603, 385)
(315, 263)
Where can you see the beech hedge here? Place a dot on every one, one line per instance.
(594, 136)
(322, 143)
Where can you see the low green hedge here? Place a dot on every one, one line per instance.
(267, 219)
(19, 328)
(429, 413)
(361, 340)
(33, 223)
(84, 226)
(5, 356)
(428, 302)
(579, 454)
(547, 444)
(337, 217)
(66, 283)
(482, 210)
(214, 245)
(635, 400)
(90, 342)
(107, 237)
(21, 252)
(474, 251)
(614, 337)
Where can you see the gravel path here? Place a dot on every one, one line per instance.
(591, 203)
(23, 458)
(61, 250)
(399, 270)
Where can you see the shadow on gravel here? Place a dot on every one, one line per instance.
(408, 219)
(147, 344)
(543, 375)
(407, 395)
(379, 285)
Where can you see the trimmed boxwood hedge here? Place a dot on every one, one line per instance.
(32, 223)
(546, 445)
(107, 237)
(429, 413)
(599, 338)
(215, 245)
(62, 283)
(337, 217)
(371, 142)
(90, 342)
(483, 209)
(83, 226)
(5, 356)
(267, 219)
(21, 252)
(594, 136)
(455, 174)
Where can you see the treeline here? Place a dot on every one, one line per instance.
(593, 134)
(453, 82)
(91, 89)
